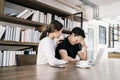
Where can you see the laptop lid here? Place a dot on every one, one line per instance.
(99, 56)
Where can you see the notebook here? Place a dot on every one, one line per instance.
(98, 58)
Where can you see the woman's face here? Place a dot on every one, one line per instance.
(58, 33)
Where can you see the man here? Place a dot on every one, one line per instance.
(72, 45)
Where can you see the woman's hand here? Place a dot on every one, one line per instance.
(58, 41)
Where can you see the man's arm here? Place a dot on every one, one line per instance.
(64, 56)
(83, 53)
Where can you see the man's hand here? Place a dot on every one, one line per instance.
(83, 43)
(83, 52)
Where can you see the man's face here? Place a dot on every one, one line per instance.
(76, 39)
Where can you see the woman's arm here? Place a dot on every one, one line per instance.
(49, 52)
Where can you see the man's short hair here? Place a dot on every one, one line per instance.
(78, 32)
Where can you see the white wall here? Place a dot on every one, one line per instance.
(94, 24)
(116, 47)
(106, 11)
(111, 10)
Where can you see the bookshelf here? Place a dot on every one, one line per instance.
(19, 21)
(35, 6)
(41, 7)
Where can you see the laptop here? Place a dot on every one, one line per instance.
(92, 63)
(98, 58)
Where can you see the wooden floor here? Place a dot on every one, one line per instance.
(107, 70)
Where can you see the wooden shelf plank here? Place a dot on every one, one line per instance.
(113, 55)
(66, 31)
(19, 21)
(13, 43)
(78, 19)
(1, 6)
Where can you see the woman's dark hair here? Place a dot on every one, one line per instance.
(54, 25)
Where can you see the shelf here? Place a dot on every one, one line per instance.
(43, 8)
(66, 31)
(19, 21)
(113, 55)
(1, 6)
(33, 4)
(78, 19)
(11, 43)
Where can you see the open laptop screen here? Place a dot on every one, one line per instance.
(99, 56)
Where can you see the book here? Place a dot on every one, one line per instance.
(28, 14)
(1, 58)
(22, 13)
(36, 16)
(2, 31)
(11, 12)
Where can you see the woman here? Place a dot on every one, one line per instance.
(46, 48)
